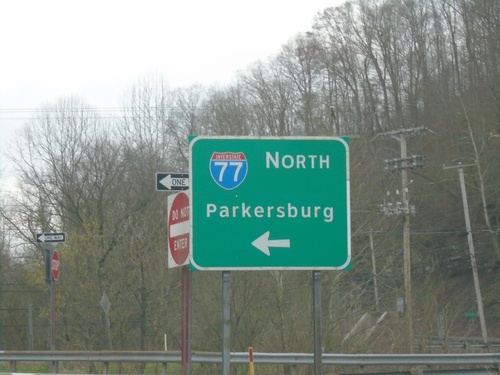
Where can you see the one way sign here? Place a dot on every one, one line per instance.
(172, 181)
(50, 237)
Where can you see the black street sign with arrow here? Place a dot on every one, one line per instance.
(172, 181)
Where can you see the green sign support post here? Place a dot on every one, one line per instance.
(269, 203)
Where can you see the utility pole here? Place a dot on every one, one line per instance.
(403, 164)
(472, 253)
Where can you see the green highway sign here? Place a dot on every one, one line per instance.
(269, 203)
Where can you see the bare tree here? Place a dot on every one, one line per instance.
(271, 100)
(225, 112)
(301, 65)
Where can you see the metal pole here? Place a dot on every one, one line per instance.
(186, 321)
(318, 352)
(49, 249)
(52, 314)
(374, 270)
(226, 322)
(53, 320)
(183, 323)
(189, 276)
(52, 283)
(30, 327)
(473, 256)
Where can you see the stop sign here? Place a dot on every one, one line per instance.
(178, 230)
(54, 265)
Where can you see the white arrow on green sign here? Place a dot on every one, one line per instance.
(269, 203)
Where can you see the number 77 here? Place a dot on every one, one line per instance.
(224, 164)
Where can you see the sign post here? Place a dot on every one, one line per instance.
(178, 255)
(52, 265)
(269, 203)
(52, 274)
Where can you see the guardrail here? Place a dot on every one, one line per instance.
(106, 357)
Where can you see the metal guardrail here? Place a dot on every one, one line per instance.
(475, 359)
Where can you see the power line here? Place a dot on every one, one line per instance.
(24, 114)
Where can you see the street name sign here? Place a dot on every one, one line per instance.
(50, 237)
(178, 230)
(172, 181)
(269, 203)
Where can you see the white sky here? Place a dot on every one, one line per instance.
(97, 49)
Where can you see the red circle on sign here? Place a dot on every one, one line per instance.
(54, 265)
(178, 228)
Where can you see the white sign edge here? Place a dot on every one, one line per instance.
(271, 268)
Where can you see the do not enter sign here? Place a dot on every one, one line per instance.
(178, 230)
(54, 265)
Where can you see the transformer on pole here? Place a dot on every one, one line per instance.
(403, 164)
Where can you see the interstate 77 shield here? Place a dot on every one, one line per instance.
(228, 169)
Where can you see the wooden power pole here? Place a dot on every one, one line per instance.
(403, 164)
(472, 253)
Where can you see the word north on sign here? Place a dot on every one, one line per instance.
(269, 203)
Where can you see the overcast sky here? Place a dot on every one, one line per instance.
(98, 49)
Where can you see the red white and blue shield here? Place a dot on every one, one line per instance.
(228, 169)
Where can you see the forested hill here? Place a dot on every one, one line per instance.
(424, 73)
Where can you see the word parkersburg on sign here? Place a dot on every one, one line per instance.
(269, 203)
